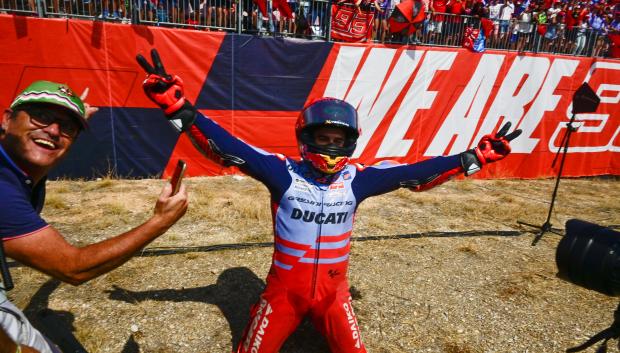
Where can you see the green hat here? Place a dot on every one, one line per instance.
(46, 92)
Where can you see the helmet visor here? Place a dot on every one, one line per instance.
(331, 113)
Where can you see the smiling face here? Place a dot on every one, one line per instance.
(36, 144)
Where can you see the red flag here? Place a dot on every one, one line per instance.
(405, 15)
(541, 29)
(350, 23)
(281, 5)
(474, 39)
(262, 6)
(487, 26)
(470, 36)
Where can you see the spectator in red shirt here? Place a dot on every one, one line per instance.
(547, 4)
(571, 20)
(438, 8)
(467, 7)
(454, 23)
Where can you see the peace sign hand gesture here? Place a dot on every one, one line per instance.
(491, 148)
(167, 92)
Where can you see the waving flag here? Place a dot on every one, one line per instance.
(405, 16)
(474, 39)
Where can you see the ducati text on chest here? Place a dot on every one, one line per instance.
(319, 217)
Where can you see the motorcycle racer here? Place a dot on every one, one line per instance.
(313, 204)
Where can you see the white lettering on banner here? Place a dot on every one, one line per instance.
(372, 117)
(364, 91)
(465, 114)
(602, 118)
(342, 74)
(611, 100)
(545, 101)
(418, 97)
(509, 104)
(373, 79)
(611, 145)
(362, 94)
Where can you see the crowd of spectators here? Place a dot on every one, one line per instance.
(561, 26)
(576, 27)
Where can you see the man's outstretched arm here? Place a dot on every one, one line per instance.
(47, 251)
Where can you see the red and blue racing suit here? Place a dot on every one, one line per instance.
(312, 220)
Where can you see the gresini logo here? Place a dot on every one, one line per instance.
(261, 322)
(393, 85)
(317, 203)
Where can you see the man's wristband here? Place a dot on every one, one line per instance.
(18, 349)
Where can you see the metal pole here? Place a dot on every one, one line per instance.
(41, 8)
(547, 225)
(328, 36)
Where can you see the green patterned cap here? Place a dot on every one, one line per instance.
(47, 92)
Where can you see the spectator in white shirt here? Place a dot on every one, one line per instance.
(494, 9)
(505, 15)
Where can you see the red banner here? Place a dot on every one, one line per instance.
(419, 103)
(414, 103)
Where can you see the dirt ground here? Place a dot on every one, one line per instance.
(427, 274)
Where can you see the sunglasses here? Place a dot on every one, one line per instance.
(45, 117)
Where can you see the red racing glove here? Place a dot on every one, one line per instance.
(167, 92)
(490, 149)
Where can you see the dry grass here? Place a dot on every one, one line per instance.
(56, 202)
(99, 184)
(428, 294)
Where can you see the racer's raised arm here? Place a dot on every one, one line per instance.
(217, 144)
(382, 178)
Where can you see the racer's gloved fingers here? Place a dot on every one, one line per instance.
(167, 91)
(157, 69)
(513, 135)
(158, 85)
(491, 148)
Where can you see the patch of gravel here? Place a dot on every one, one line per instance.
(422, 294)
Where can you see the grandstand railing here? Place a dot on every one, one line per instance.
(312, 19)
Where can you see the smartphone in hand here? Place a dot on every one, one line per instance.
(177, 176)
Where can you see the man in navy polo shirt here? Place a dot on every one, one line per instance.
(36, 132)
